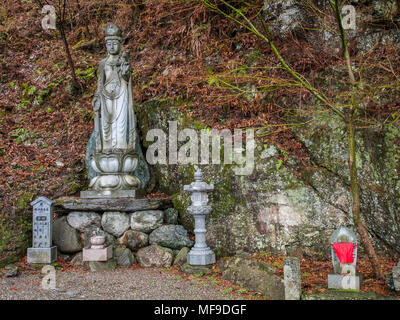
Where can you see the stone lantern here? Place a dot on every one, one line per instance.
(200, 254)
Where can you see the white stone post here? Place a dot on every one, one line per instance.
(200, 254)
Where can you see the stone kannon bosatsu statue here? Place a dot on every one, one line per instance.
(114, 159)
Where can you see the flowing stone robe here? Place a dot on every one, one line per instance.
(118, 123)
(128, 127)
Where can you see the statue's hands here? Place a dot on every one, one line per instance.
(96, 104)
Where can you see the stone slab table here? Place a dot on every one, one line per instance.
(107, 204)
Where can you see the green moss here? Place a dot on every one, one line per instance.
(75, 188)
(180, 202)
(14, 240)
(24, 200)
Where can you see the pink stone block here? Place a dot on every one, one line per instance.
(89, 254)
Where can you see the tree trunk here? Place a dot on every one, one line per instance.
(75, 81)
(362, 231)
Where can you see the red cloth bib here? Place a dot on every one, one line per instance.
(344, 251)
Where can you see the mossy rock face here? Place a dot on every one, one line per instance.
(287, 207)
(15, 238)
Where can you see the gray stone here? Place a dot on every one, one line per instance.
(42, 255)
(66, 238)
(284, 16)
(344, 282)
(199, 270)
(83, 221)
(119, 204)
(98, 266)
(154, 256)
(146, 221)
(181, 256)
(253, 275)
(77, 260)
(13, 271)
(42, 250)
(200, 254)
(292, 278)
(42, 223)
(171, 216)
(170, 236)
(134, 240)
(115, 222)
(97, 194)
(123, 256)
(396, 278)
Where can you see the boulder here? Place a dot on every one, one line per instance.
(181, 256)
(65, 237)
(115, 222)
(123, 256)
(171, 236)
(253, 275)
(285, 16)
(134, 240)
(199, 270)
(154, 256)
(77, 259)
(96, 266)
(83, 220)
(396, 278)
(12, 271)
(171, 216)
(146, 221)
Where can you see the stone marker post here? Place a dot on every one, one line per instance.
(42, 250)
(200, 254)
(344, 242)
(393, 278)
(292, 278)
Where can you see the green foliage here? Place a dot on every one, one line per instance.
(264, 254)
(227, 290)
(252, 57)
(12, 84)
(42, 95)
(20, 134)
(279, 164)
(277, 264)
(87, 74)
(28, 93)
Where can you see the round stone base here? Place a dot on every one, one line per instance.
(114, 182)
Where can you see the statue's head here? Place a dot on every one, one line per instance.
(113, 39)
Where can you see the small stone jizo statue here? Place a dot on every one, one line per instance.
(344, 260)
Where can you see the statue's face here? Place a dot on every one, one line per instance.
(113, 46)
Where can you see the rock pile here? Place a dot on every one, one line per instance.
(152, 236)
